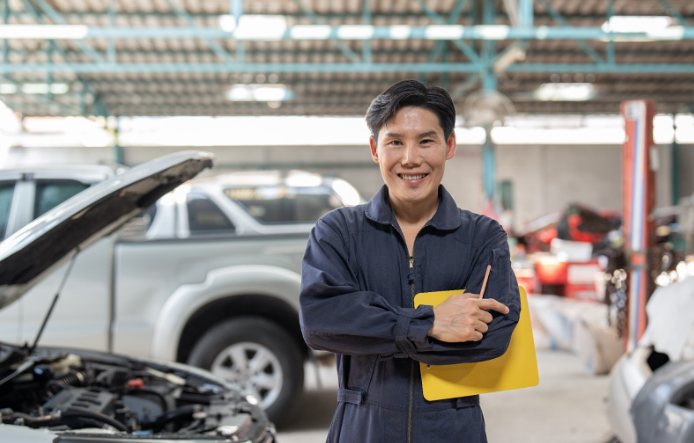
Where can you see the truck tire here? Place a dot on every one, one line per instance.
(259, 356)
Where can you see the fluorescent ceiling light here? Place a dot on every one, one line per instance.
(7, 88)
(565, 92)
(636, 23)
(43, 88)
(492, 32)
(310, 32)
(261, 27)
(53, 32)
(355, 32)
(443, 32)
(400, 32)
(34, 88)
(227, 23)
(671, 33)
(260, 93)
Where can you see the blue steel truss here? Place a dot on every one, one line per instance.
(478, 43)
(396, 32)
(362, 67)
(484, 33)
(482, 60)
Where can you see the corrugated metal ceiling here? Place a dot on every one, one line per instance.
(329, 93)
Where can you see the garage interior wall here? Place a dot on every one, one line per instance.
(545, 177)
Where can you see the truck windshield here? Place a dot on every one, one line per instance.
(51, 193)
(285, 204)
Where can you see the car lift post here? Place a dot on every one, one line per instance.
(639, 162)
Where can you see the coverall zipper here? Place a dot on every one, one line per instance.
(410, 259)
(409, 415)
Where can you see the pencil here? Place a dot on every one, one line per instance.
(484, 284)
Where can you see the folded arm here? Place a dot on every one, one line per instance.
(336, 316)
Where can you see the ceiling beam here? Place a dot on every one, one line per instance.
(75, 15)
(348, 33)
(196, 55)
(402, 68)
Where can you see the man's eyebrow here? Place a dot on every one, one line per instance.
(393, 134)
(431, 133)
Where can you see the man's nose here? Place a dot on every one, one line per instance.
(411, 155)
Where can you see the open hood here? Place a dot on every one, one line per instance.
(52, 239)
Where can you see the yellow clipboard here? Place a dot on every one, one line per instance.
(516, 369)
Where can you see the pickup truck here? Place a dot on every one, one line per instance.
(209, 275)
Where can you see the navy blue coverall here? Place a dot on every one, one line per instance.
(357, 291)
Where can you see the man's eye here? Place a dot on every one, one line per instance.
(427, 140)
(395, 142)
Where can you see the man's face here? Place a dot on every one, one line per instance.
(411, 153)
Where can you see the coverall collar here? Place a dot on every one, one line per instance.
(447, 217)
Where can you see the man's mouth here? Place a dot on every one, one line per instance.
(412, 177)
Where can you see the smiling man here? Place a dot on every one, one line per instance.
(364, 265)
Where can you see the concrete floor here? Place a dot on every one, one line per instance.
(567, 407)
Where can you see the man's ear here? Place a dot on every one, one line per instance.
(450, 146)
(374, 149)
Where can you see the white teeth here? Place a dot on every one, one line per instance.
(412, 177)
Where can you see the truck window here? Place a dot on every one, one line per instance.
(205, 217)
(6, 192)
(137, 226)
(51, 193)
(284, 204)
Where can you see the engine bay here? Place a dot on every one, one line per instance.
(84, 393)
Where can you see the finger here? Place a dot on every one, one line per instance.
(485, 317)
(476, 336)
(490, 303)
(481, 327)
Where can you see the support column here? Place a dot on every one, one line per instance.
(488, 48)
(526, 13)
(489, 165)
(674, 161)
(443, 80)
(83, 98)
(366, 20)
(49, 75)
(610, 42)
(638, 198)
(5, 20)
(237, 12)
(113, 128)
(488, 86)
(111, 49)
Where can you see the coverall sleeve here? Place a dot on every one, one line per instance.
(336, 316)
(501, 286)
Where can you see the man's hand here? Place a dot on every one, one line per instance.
(463, 317)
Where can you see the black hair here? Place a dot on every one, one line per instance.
(411, 93)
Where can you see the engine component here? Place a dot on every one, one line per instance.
(81, 399)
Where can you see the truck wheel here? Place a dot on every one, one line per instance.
(257, 355)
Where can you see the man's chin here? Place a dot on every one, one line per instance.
(410, 196)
